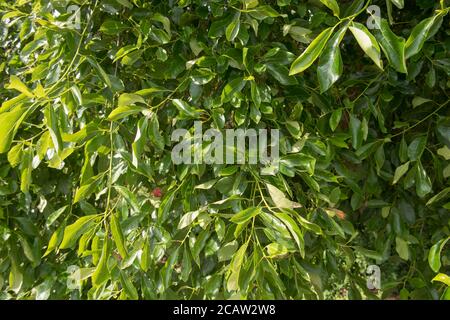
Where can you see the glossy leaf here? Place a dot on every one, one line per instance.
(393, 47)
(367, 42)
(307, 58)
(330, 61)
(434, 255)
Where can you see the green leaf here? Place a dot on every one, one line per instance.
(218, 27)
(367, 42)
(219, 227)
(356, 131)
(188, 219)
(15, 279)
(202, 76)
(255, 94)
(423, 182)
(417, 101)
(128, 99)
(276, 250)
(281, 74)
(304, 161)
(366, 150)
(309, 225)
(294, 230)
(15, 155)
(51, 119)
(335, 119)
(273, 222)
(416, 148)
(101, 273)
(30, 253)
(88, 188)
(245, 215)
(400, 171)
(200, 245)
(226, 252)
(26, 169)
(75, 230)
(262, 12)
(100, 72)
(372, 254)
(55, 240)
(233, 28)
(434, 255)
(117, 234)
(305, 223)
(128, 287)
(442, 131)
(438, 197)
(155, 136)
(332, 5)
(401, 246)
(235, 268)
(206, 185)
(10, 121)
(54, 216)
(403, 150)
(398, 3)
(140, 141)
(186, 109)
(164, 20)
(165, 206)
(393, 47)
(145, 257)
(441, 277)
(330, 61)
(168, 268)
(16, 84)
(307, 58)
(129, 196)
(123, 112)
(232, 87)
(113, 27)
(249, 4)
(421, 33)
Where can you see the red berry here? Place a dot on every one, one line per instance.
(340, 214)
(157, 193)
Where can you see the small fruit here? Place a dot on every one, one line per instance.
(157, 192)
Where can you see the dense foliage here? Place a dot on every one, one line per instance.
(91, 95)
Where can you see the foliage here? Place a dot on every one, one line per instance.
(86, 177)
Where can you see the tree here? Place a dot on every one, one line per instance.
(93, 207)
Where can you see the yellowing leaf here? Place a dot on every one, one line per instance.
(279, 199)
(17, 84)
(10, 121)
(400, 171)
(441, 277)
